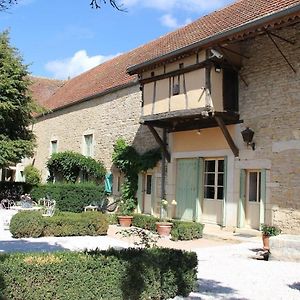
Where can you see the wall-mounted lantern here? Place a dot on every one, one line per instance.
(248, 137)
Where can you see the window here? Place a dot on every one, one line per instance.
(176, 85)
(230, 90)
(53, 147)
(254, 186)
(214, 179)
(88, 145)
(148, 184)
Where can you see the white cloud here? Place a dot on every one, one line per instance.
(187, 5)
(171, 22)
(77, 64)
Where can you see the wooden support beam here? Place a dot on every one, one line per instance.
(233, 51)
(280, 51)
(227, 136)
(282, 38)
(160, 143)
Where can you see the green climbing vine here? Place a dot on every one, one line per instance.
(68, 166)
(131, 163)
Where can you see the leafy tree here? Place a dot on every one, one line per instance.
(16, 106)
(5, 4)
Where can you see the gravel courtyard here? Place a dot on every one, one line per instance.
(225, 269)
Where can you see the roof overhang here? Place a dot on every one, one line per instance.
(237, 33)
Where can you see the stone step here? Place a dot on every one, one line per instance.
(285, 247)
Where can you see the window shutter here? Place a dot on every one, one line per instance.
(263, 192)
(224, 192)
(242, 202)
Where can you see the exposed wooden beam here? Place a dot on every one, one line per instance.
(176, 72)
(233, 51)
(280, 51)
(282, 38)
(227, 135)
(160, 143)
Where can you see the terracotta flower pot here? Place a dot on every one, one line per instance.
(125, 221)
(266, 241)
(163, 228)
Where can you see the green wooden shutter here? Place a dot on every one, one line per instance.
(242, 201)
(199, 202)
(263, 192)
(187, 188)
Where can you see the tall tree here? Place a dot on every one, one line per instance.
(5, 4)
(16, 105)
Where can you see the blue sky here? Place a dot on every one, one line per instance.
(63, 38)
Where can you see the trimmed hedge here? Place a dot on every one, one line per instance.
(186, 230)
(33, 224)
(112, 218)
(71, 197)
(181, 230)
(144, 221)
(27, 224)
(135, 274)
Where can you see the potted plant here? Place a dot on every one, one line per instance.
(163, 227)
(126, 209)
(267, 231)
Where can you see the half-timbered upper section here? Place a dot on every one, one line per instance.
(196, 86)
(191, 88)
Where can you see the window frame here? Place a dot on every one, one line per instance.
(258, 186)
(53, 142)
(216, 173)
(88, 150)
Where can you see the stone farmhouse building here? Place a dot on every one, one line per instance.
(220, 96)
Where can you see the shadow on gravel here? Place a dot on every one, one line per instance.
(215, 289)
(25, 246)
(295, 286)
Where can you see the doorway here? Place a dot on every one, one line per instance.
(214, 183)
(147, 203)
(253, 199)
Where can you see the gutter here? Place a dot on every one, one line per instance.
(108, 91)
(221, 35)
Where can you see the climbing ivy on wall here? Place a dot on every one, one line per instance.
(68, 166)
(131, 163)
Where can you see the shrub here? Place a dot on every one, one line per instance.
(71, 197)
(33, 224)
(181, 230)
(27, 224)
(112, 219)
(144, 221)
(113, 274)
(270, 230)
(186, 230)
(72, 224)
(32, 175)
(69, 166)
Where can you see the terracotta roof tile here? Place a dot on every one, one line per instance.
(43, 88)
(112, 73)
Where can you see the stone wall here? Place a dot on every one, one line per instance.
(270, 105)
(108, 117)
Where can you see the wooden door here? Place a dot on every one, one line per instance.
(214, 191)
(187, 188)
